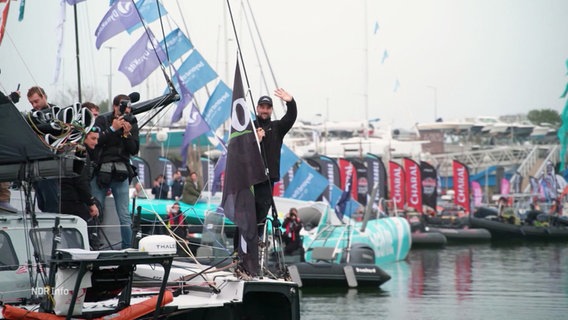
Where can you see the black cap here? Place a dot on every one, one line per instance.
(265, 100)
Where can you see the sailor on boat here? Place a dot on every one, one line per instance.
(271, 134)
(47, 190)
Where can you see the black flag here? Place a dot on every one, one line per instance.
(244, 168)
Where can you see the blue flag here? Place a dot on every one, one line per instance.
(307, 184)
(121, 16)
(218, 107)
(195, 72)
(149, 11)
(177, 44)
(287, 159)
(141, 60)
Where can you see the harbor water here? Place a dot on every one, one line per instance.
(505, 281)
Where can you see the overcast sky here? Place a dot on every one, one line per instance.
(452, 58)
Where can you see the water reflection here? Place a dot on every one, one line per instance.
(474, 282)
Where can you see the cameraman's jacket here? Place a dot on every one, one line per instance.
(274, 135)
(114, 146)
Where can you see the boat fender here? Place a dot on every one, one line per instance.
(134, 311)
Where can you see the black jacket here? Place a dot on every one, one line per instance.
(112, 145)
(78, 189)
(274, 135)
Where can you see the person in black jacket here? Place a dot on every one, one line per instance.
(76, 196)
(118, 141)
(177, 185)
(160, 188)
(271, 134)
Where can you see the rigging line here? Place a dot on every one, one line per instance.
(255, 48)
(264, 51)
(183, 20)
(151, 38)
(262, 152)
(157, 111)
(239, 51)
(165, 42)
(21, 58)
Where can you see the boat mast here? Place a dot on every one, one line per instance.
(366, 75)
(77, 53)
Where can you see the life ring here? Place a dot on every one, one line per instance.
(132, 312)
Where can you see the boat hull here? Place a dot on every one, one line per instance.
(430, 239)
(505, 231)
(463, 235)
(324, 274)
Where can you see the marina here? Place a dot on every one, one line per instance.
(389, 213)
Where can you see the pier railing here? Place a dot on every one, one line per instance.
(477, 160)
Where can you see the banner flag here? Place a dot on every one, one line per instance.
(397, 184)
(362, 182)
(121, 16)
(177, 44)
(141, 60)
(218, 107)
(149, 11)
(4, 19)
(429, 185)
(287, 159)
(376, 173)
(307, 184)
(348, 176)
(244, 168)
(413, 184)
(477, 193)
(143, 170)
(461, 185)
(195, 72)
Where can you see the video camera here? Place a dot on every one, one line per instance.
(125, 103)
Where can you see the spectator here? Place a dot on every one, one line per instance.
(160, 188)
(292, 224)
(191, 189)
(176, 224)
(177, 185)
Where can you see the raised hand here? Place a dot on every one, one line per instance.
(282, 94)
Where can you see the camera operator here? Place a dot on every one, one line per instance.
(292, 238)
(118, 141)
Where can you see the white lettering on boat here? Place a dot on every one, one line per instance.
(365, 270)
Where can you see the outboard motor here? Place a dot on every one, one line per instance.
(360, 253)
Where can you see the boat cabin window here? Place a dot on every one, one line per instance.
(42, 239)
(8, 258)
